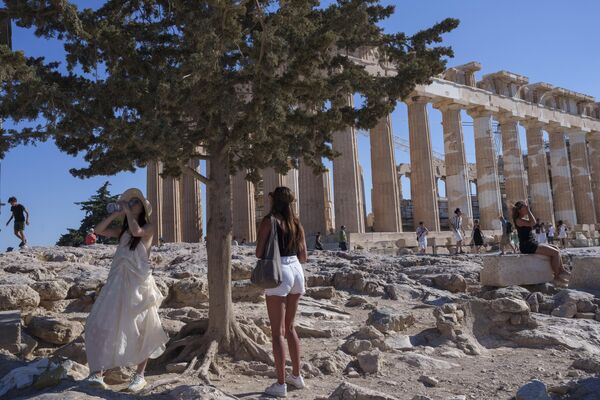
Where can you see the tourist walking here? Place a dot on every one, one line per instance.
(343, 238)
(562, 234)
(21, 216)
(318, 244)
(543, 237)
(550, 234)
(422, 233)
(528, 244)
(124, 328)
(282, 301)
(457, 227)
(505, 239)
(477, 236)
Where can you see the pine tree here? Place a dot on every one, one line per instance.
(243, 84)
(95, 211)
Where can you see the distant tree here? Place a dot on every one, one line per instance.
(242, 84)
(95, 211)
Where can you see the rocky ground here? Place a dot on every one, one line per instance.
(372, 327)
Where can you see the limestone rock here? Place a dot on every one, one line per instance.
(189, 292)
(567, 310)
(368, 333)
(241, 271)
(354, 346)
(245, 290)
(348, 391)
(356, 301)
(73, 351)
(534, 390)
(386, 320)
(370, 361)
(18, 297)
(176, 368)
(426, 362)
(588, 364)
(428, 381)
(322, 292)
(451, 282)
(67, 395)
(331, 364)
(586, 273)
(307, 330)
(51, 290)
(10, 331)
(402, 292)
(198, 392)
(509, 305)
(55, 330)
(117, 376)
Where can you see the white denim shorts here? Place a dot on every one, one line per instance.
(293, 278)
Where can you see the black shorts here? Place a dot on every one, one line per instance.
(19, 226)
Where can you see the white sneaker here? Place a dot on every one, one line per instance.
(96, 381)
(295, 381)
(137, 383)
(277, 390)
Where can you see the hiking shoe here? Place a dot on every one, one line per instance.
(96, 381)
(137, 383)
(21, 244)
(295, 381)
(277, 390)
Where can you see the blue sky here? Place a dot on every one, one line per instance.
(554, 41)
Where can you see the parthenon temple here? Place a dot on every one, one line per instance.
(560, 177)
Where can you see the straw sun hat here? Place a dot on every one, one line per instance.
(134, 193)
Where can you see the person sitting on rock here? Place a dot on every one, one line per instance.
(525, 222)
(124, 329)
(282, 301)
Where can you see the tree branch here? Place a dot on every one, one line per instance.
(197, 175)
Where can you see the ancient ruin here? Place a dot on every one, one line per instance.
(548, 178)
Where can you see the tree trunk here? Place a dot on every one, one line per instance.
(219, 233)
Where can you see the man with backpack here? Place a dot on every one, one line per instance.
(507, 229)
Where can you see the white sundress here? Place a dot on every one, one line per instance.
(124, 328)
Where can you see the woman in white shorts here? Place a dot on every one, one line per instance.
(282, 301)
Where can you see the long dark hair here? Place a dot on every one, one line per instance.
(282, 207)
(135, 240)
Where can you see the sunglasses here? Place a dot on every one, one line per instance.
(133, 202)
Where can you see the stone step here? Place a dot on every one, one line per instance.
(586, 273)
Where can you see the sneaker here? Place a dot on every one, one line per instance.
(21, 244)
(295, 381)
(137, 383)
(277, 390)
(96, 381)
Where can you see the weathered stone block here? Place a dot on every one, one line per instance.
(10, 331)
(520, 269)
(586, 273)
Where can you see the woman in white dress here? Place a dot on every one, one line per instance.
(124, 328)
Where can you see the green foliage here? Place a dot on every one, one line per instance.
(258, 81)
(95, 211)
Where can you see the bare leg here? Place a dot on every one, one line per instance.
(554, 255)
(276, 311)
(141, 367)
(290, 332)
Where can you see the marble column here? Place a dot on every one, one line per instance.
(537, 173)
(594, 156)
(580, 174)
(562, 190)
(346, 181)
(422, 187)
(314, 209)
(154, 193)
(488, 187)
(190, 207)
(514, 171)
(243, 208)
(457, 170)
(171, 222)
(386, 198)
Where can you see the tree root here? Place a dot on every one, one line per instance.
(200, 348)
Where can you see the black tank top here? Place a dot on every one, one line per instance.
(284, 239)
(526, 236)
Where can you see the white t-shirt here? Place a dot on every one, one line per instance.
(551, 231)
(562, 231)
